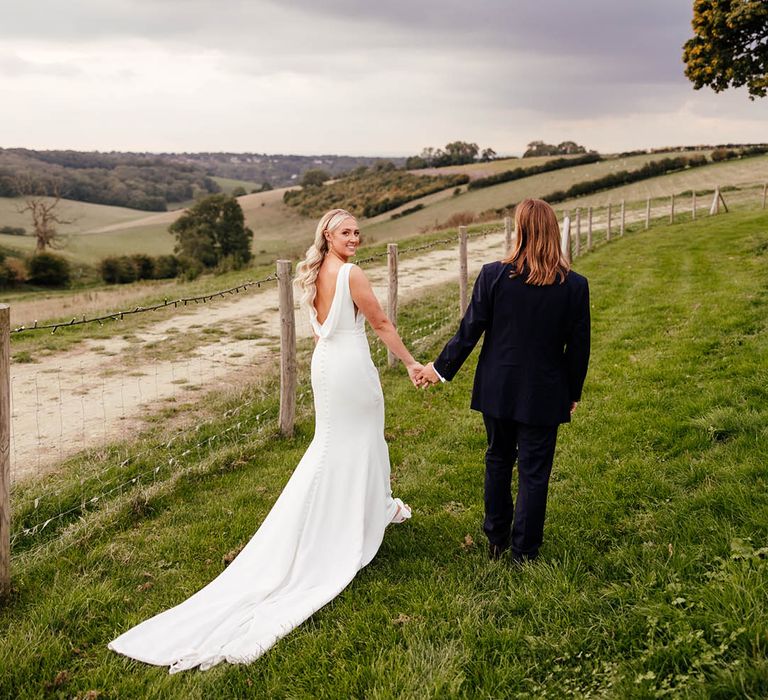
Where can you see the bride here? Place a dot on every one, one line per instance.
(329, 520)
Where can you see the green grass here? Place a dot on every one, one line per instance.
(734, 173)
(83, 215)
(228, 184)
(477, 170)
(653, 579)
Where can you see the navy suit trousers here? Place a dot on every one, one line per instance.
(533, 447)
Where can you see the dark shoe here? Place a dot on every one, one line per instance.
(520, 559)
(495, 551)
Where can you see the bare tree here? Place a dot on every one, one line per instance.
(42, 207)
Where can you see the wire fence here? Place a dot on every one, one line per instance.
(91, 421)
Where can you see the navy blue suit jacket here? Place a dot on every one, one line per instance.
(536, 348)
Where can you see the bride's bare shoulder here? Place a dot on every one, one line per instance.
(357, 278)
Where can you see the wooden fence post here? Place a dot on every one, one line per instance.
(5, 450)
(672, 209)
(507, 235)
(577, 251)
(565, 238)
(288, 370)
(623, 216)
(392, 294)
(765, 192)
(693, 206)
(463, 274)
(647, 213)
(589, 228)
(715, 208)
(608, 230)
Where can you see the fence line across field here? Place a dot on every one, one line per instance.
(434, 322)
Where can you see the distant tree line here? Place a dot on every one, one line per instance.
(527, 171)
(539, 148)
(134, 181)
(278, 170)
(454, 153)
(368, 191)
(122, 269)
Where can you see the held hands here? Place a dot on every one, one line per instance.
(414, 372)
(427, 376)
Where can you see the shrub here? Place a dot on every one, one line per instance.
(314, 177)
(145, 266)
(409, 210)
(12, 271)
(13, 230)
(166, 266)
(239, 191)
(17, 270)
(720, 154)
(118, 269)
(191, 268)
(460, 218)
(49, 270)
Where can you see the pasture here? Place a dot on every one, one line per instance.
(444, 204)
(477, 170)
(734, 173)
(654, 576)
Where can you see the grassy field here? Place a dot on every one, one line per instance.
(228, 184)
(653, 580)
(736, 173)
(477, 170)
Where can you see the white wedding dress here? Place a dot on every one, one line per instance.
(325, 526)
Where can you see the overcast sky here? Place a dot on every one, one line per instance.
(371, 77)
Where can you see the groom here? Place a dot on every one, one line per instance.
(534, 312)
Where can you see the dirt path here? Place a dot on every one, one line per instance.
(106, 389)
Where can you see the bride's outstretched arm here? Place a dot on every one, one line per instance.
(368, 304)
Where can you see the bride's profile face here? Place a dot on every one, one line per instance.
(344, 240)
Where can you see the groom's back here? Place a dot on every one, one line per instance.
(525, 371)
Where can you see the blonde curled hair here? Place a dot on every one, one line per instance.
(307, 269)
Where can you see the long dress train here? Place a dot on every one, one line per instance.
(325, 526)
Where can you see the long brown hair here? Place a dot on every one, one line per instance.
(537, 252)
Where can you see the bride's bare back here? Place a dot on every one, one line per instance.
(325, 287)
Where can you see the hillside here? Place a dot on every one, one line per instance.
(366, 193)
(734, 173)
(281, 230)
(157, 181)
(653, 573)
(491, 167)
(278, 169)
(439, 207)
(135, 180)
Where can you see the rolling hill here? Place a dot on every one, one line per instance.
(100, 230)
